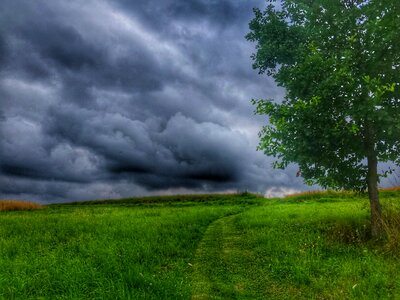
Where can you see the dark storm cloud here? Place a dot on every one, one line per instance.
(160, 14)
(61, 44)
(83, 64)
(105, 99)
(3, 51)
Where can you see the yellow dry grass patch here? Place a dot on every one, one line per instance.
(391, 189)
(305, 193)
(9, 205)
(322, 192)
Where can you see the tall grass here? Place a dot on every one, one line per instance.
(11, 205)
(391, 224)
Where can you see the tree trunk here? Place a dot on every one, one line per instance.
(372, 181)
(376, 212)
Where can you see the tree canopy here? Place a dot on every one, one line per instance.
(339, 62)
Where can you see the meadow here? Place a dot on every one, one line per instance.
(241, 246)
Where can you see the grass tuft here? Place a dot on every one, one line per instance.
(351, 233)
(11, 205)
(391, 225)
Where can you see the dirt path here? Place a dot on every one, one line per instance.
(216, 261)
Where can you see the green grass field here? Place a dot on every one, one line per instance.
(201, 247)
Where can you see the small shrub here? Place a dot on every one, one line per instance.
(349, 232)
(9, 205)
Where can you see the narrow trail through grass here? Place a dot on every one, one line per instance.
(217, 257)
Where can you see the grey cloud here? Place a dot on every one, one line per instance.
(27, 156)
(3, 51)
(60, 44)
(104, 99)
(219, 13)
(181, 148)
(81, 64)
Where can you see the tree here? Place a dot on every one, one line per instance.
(339, 62)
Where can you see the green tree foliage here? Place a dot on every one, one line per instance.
(339, 61)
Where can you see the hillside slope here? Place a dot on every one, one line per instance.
(312, 246)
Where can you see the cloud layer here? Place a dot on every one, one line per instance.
(103, 99)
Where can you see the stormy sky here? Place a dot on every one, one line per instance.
(107, 99)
